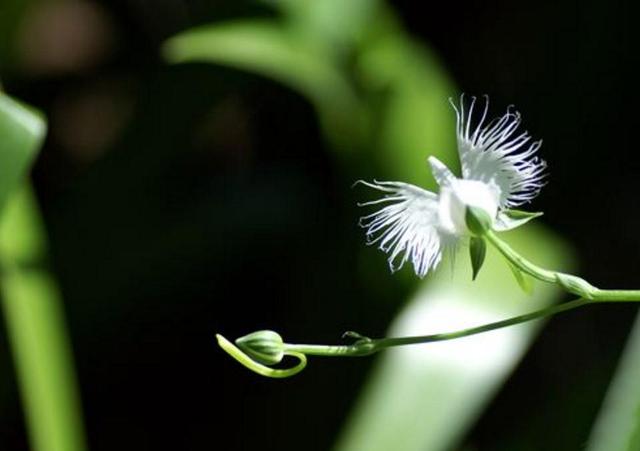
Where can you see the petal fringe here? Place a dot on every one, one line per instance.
(406, 229)
(495, 153)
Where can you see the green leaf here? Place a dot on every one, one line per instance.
(524, 281)
(334, 24)
(30, 300)
(617, 427)
(269, 49)
(408, 87)
(22, 235)
(259, 46)
(35, 323)
(478, 252)
(22, 131)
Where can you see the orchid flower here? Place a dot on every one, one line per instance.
(500, 170)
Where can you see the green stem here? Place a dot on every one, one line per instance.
(616, 295)
(542, 313)
(570, 283)
(367, 346)
(519, 261)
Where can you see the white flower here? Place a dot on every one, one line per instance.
(499, 171)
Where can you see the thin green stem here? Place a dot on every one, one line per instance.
(367, 346)
(542, 313)
(519, 261)
(616, 295)
(570, 283)
(327, 350)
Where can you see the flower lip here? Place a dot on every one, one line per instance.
(460, 194)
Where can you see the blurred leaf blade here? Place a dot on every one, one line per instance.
(426, 397)
(319, 23)
(33, 311)
(414, 117)
(30, 300)
(22, 131)
(269, 49)
(617, 427)
(22, 235)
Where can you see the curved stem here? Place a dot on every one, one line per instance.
(570, 283)
(519, 261)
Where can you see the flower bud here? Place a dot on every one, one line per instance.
(264, 346)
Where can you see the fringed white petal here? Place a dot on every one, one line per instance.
(406, 228)
(495, 154)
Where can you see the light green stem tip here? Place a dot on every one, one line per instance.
(259, 368)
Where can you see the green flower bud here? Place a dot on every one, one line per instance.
(477, 220)
(264, 346)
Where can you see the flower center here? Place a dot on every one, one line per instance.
(461, 193)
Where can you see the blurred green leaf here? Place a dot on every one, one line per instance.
(269, 49)
(21, 133)
(22, 236)
(618, 425)
(414, 118)
(426, 397)
(30, 300)
(335, 25)
(35, 320)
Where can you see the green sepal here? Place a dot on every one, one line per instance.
(510, 219)
(522, 214)
(477, 220)
(523, 280)
(478, 252)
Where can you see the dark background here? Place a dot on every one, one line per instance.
(181, 201)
